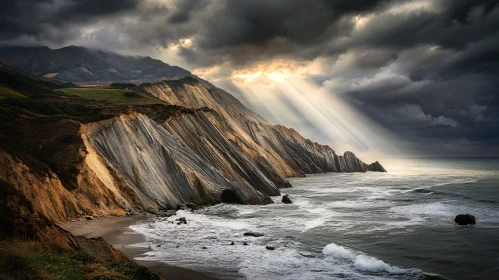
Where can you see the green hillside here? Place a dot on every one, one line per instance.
(6, 92)
(112, 95)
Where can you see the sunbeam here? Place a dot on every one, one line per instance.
(320, 115)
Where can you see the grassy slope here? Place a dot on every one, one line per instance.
(6, 92)
(112, 95)
(30, 260)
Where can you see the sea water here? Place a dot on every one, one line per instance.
(394, 225)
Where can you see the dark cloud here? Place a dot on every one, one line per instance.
(53, 20)
(427, 73)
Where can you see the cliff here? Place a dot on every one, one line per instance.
(161, 172)
(278, 151)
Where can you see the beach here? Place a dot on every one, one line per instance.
(116, 231)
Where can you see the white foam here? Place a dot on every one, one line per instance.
(315, 223)
(360, 261)
(424, 210)
(338, 251)
(360, 204)
(247, 212)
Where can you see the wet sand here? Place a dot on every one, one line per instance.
(116, 231)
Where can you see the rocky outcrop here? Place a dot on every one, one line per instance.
(197, 132)
(277, 151)
(286, 199)
(159, 171)
(465, 219)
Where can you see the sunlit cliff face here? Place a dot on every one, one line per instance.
(281, 92)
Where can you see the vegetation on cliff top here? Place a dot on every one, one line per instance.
(31, 260)
(6, 92)
(112, 95)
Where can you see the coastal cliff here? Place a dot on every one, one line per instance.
(274, 147)
(190, 143)
(94, 158)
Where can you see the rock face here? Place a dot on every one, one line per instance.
(465, 219)
(227, 126)
(159, 170)
(197, 132)
(286, 199)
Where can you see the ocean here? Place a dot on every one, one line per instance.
(394, 225)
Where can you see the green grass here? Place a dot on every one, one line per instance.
(112, 95)
(6, 92)
(30, 260)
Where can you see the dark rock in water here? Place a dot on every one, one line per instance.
(465, 219)
(88, 218)
(205, 248)
(254, 234)
(245, 243)
(286, 199)
(376, 166)
(270, 248)
(181, 220)
(232, 243)
(158, 245)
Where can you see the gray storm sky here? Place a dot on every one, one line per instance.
(427, 70)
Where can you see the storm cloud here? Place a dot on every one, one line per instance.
(425, 69)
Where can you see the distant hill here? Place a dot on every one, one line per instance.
(86, 66)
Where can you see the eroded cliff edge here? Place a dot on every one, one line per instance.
(275, 146)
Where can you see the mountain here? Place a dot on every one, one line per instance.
(91, 66)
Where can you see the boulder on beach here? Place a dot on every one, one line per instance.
(465, 219)
(286, 199)
(269, 248)
(254, 234)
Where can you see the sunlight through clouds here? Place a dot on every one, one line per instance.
(290, 99)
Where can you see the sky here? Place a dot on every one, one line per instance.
(417, 76)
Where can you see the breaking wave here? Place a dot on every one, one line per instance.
(363, 262)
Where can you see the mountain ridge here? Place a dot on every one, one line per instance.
(87, 65)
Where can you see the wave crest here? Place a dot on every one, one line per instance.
(360, 261)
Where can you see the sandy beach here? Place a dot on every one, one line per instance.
(113, 230)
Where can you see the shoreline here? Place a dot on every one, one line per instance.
(116, 231)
